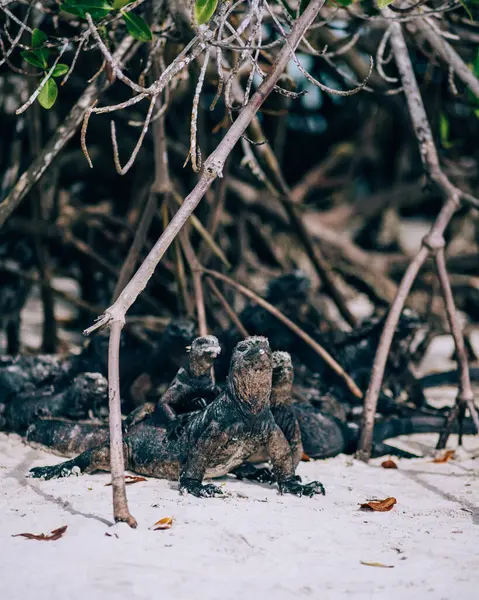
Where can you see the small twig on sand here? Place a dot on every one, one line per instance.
(117, 463)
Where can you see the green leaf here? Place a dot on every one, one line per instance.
(476, 112)
(49, 94)
(32, 58)
(466, 8)
(38, 38)
(204, 10)
(117, 4)
(383, 3)
(444, 131)
(137, 27)
(476, 65)
(344, 3)
(60, 70)
(98, 9)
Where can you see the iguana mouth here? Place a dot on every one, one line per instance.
(259, 359)
(212, 352)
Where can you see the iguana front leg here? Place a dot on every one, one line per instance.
(283, 470)
(96, 459)
(199, 456)
(138, 415)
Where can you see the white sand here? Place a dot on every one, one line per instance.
(254, 544)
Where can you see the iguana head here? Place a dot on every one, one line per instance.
(202, 354)
(88, 392)
(283, 374)
(180, 330)
(251, 373)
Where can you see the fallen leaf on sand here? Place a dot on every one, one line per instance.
(305, 457)
(129, 479)
(446, 457)
(165, 523)
(389, 464)
(376, 564)
(379, 505)
(56, 534)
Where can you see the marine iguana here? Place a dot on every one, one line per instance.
(169, 354)
(193, 386)
(87, 395)
(29, 373)
(280, 403)
(69, 439)
(66, 438)
(447, 378)
(212, 442)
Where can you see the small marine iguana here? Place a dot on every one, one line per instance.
(193, 386)
(32, 373)
(210, 443)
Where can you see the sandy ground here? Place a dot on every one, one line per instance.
(253, 544)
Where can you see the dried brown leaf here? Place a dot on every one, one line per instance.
(305, 457)
(379, 505)
(389, 464)
(129, 479)
(376, 564)
(446, 457)
(56, 534)
(165, 523)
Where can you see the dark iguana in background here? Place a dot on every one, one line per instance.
(85, 397)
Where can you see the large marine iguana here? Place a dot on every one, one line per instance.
(280, 403)
(193, 380)
(212, 442)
